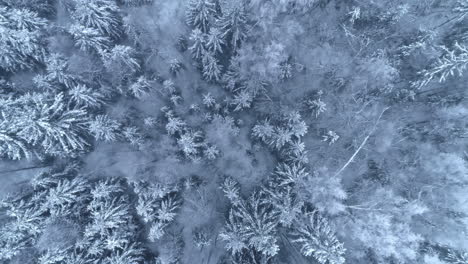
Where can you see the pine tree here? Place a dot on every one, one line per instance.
(107, 215)
(199, 14)
(121, 58)
(201, 237)
(57, 71)
(251, 225)
(242, 100)
(140, 88)
(98, 14)
(11, 146)
(104, 128)
(48, 123)
(61, 199)
(132, 135)
(264, 130)
(453, 62)
(211, 67)
(315, 237)
(233, 25)
(157, 231)
(131, 254)
(198, 39)
(208, 100)
(231, 190)
(175, 66)
(83, 96)
(190, 144)
(136, 2)
(21, 44)
(175, 125)
(88, 39)
(215, 41)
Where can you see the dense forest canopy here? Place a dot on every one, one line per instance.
(233, 131)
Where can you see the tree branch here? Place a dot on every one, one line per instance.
(362, 144)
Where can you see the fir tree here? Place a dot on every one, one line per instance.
(133, 136)
(57, 71)
(199, 14)
(252, 225)
(242, 100)
(121, 58)
(21, 44)
(190, 143)
(88, 39)
(215, 41)
(98, 14)
(104, 128)
(233, 25)
(198, 41)
(140, 88)
(211, 67)
(454, 62)
(81, 95)
(48, 123)
(315, 237)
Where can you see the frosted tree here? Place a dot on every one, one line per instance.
(175, 66)
(286, 205)
(231, 190)
(211, 67)
(63, 198)
(140, 88)
(104, 128)
(102, 15)
(201, 237)
(57, 71)
(122, 59)
(251, 224)
(461, 8)
(107, 215)
(208, 100)
(316, 105)
(21, 44)
(289, 130)
(131, 254)
(157, 205)
(190, 143)
(84, 96)
(136, 2)
(215, 41)
(233, 25)
(452, 255)
(88, 39)
(11, 146)
(48, 122)
(286, 71)
(169, 86)
(242, 100)
(264, 130)
(197, 37)
(157, 231)
(133, 135)
(175, 125)
(316, 239)
(453, 62)
(200, 13)
(234, 234)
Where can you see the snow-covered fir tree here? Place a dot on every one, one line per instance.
(102, 15)
(198, 39)
(200, 14)
(316, 238)
(233, 25)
